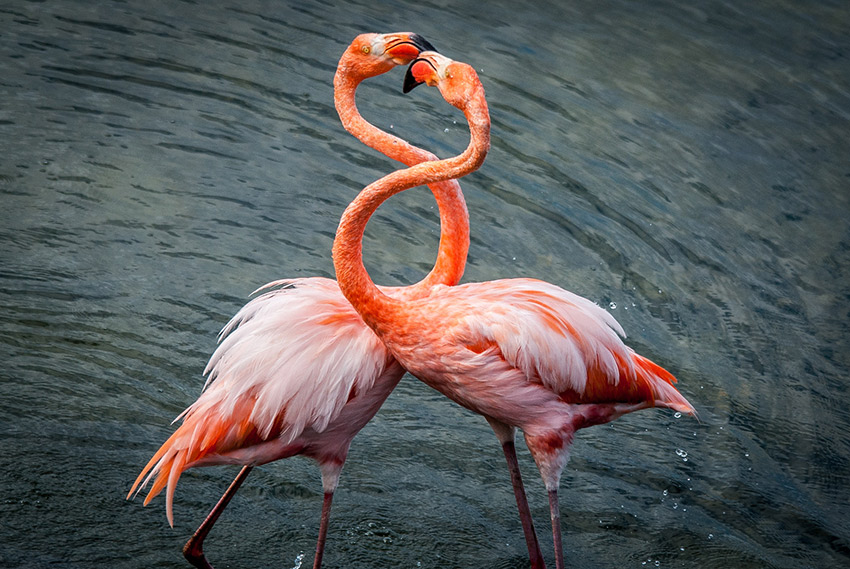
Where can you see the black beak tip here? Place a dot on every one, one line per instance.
(422, 43)
(410, 82)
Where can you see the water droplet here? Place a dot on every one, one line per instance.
(681, 452)
(665, 492)
(446, 130)
(711, 536)
(612, 305)
(677, 415)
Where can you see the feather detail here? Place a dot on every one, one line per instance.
(556, 338)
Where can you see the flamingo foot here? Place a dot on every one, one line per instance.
(193, 551)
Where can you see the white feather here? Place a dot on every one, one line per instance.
(300, 348)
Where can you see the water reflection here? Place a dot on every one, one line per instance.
(684, 166)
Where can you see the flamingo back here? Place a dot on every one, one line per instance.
(558, 339)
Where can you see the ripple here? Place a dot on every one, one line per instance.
(683, 166)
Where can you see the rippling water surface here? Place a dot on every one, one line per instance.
(686, 167)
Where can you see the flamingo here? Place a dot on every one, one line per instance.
(522, 352)
(297, 371)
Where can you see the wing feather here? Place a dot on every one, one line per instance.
(300, 351)
(288, 361)
(555, 337)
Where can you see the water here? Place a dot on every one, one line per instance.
(684, 166)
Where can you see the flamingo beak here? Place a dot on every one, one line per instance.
(419, 71)
(421, 43)
(406, 47)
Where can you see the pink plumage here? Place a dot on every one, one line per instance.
(297, 371)
(524, 353)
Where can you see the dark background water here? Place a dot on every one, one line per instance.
(685, 166)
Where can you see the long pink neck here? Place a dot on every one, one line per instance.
(454, 217)
(375, 307)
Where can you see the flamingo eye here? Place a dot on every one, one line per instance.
(366, 49)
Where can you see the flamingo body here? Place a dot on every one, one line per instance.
(528, 354)
(293, 359)
(297, 371)
(524, 353)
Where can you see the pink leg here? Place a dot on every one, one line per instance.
(534, 553)
(323, 529)
(193, 551)
(555, 514)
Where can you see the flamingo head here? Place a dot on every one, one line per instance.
(456, 81)
(374, 54)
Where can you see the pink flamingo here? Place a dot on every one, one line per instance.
(297, 371)
(522, 352)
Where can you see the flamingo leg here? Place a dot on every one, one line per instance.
(193, 551)
(323, 529)
(534, 553)
(555, 514)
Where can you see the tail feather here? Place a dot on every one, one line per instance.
(208, 432)
(661, 383)
(151, 468)
(190, 442)
(164, 468)
(174, 472)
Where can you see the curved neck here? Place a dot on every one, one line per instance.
(454, 217)
(374, 306)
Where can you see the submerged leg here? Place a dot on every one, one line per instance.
(551, 458)
(534, 553)
(555, 515)
(323, 529)
(506, 435)
(193, 551)
(331, 468)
